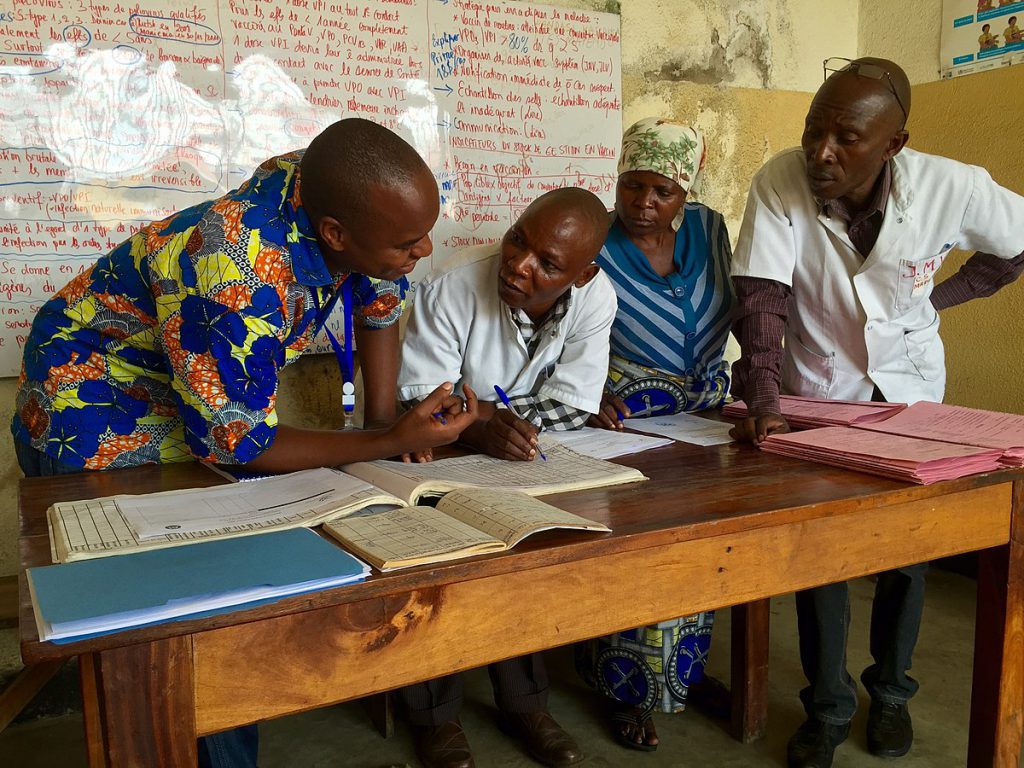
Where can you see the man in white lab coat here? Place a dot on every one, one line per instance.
(532, 315)
(839, 246)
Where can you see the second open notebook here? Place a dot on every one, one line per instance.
(473, 521)
(121, 524)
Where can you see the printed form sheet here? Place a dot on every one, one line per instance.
(99, 526)
(410, 533)
(685, 428)
(956, 424)
(603, 443)
(274, 501)
(564, 470)
(510, 516)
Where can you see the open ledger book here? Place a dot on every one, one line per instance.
(115, 525)
(120, 524)
(469, 522)
(564, 470)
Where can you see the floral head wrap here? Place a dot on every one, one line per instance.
(674, 150)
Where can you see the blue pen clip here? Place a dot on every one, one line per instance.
(504, 399)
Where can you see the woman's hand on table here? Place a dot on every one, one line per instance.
(613, 411)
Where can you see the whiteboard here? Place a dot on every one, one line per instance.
(115, 114)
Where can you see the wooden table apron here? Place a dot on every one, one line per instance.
(712, 528)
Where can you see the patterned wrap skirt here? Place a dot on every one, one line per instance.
(650, 392)
(650, 668)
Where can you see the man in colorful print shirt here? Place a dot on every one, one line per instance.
(170, 347)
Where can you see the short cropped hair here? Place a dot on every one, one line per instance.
(346, 160)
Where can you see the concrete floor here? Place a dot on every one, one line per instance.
(342, 736)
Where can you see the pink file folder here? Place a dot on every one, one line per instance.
(895, 456)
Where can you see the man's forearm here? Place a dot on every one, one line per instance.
(759, 327)
(981, 275)
(294, 449)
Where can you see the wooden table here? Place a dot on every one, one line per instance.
(720, 527)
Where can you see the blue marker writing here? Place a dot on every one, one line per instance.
(504, 399)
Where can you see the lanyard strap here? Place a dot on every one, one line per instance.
(344, 354)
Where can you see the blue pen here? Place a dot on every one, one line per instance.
(504, 399)
(440, 417)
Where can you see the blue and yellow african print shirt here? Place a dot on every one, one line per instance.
(169, 348)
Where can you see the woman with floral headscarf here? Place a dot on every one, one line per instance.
(669, 262)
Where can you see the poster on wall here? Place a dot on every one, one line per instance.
(979, 35)
(115, 114)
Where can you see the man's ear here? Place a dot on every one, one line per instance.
(896, 143)
(588, 274)
(332, 233)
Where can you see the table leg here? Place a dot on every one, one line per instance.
(146, 701)
(92, 711)
(19, 693)
(997, 695)
(381, 709)
(749, 686)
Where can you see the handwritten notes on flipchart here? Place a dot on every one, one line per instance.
(114, 114)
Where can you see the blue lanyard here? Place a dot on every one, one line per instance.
(343, 354)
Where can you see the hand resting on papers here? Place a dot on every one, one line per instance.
(754, 429)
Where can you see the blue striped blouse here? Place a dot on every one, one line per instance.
(678, 324)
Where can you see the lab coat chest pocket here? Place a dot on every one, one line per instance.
(914, 277)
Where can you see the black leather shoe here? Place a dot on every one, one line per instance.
(890, 732)
(443, 746)
(813, 744)
(543, 738)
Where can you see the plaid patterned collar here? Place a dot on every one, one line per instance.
(549, 323)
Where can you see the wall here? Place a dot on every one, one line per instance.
(965, 119)
(906, 32)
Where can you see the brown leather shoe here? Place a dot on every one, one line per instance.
(443, 746)
(543, 738)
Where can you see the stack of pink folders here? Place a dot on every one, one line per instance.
(811, 412)
(890, 455)
(922, 443)
(959, 425)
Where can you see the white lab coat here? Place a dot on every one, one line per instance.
(461, 331)
(856, 323)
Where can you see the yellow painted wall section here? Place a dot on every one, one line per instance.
(906, 32)
(977, 119)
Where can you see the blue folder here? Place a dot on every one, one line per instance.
(90, 597)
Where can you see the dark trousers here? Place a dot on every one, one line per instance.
(823, 620)
(236, 748)
(520, 685)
